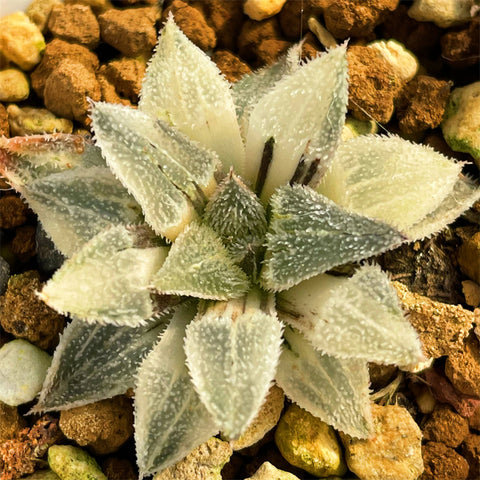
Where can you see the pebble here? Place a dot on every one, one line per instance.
(231, 66)
(43, 475)
(4, 127)
(4, 275)
(262, 9)
(204, 462)
(461, 48)
(353, 128)
(267, 471)
(11, 422)
(468, 257)
(265, 420)
(21, 41)
(14, 86)
(443, 463)
(308, 443)
(71, 463)
(393, 451)
(98, 6)
(116, 468)
(471, 291)
(39, 10)
(463, 367)
(13, 212)
(23, 368)
(48, 257)
(461, 124)
(470, 450)
(294, 17)
(445, 426)
(35, 121)
(102, 426)
(444, 13)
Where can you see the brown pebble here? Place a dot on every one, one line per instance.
(471, 291)
(11, 422)
(445, 426)
(356, 18)
(226, 21)
(67, 89)
(75, 24)
(270, 50)
(311, 47)
(294, 17)
(474, 419)
(131, 31)
(102, 426)
(469, 257)
(253, 33)
(109, 94)
(97, 6)
(230, 65)
(470, 450)
(23, 245)
(443, 463)
(461, 48)
(24, 315)
(373, 85)
(13, 212)
(118, 469)
(193, 24)
(4, 125)
(57, 52)
(463, 367)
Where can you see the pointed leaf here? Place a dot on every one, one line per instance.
(170, 419)
(137, 151)
(198, 265)
(93, 362)
(107, 280)
(309, 235)
(388, 178)
(65, 181)
(183, 86)
(317, 94)
(232, 353)
(334, 390)
(357, 317)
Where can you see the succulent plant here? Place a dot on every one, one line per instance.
(201, 231)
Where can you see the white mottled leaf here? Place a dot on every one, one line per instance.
(184, 87)
(232, 353)
(198, 265)
(138, 154)
(170, 419)
(93, 362)
(107, 280)
(65, 181)
(358, 317)
(334, 390)
(309, 234)
(304, 115)
(391, 179)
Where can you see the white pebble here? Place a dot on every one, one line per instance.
(444, 13)
(262, 9)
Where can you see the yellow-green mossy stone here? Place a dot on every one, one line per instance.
(71, 463)
(43, 475)
(308, 443)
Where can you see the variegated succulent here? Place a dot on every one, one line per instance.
(199, 230)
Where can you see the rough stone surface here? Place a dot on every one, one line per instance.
(470, 450)
(230, 65)
(24, 315)
(73, 463)
(253, 34)
(444, 13)
(67, 89)
(98, 6)
(14, 86)
(469, 257)
(392, 452)
(39, 10)
(203, 463)
(442, 328)
(308, 443)
(102, 426)
(445, 426)
(461, 48)
(23, 368)
(262, 9)
(294, 16)
(11, 422)
(422, 104)
(266, 419)
(118, 469)
(75, 24)
(23, 243)
(21, 41)
(4, 127)
(56, 53)
(131, 31)
(13, 212)
(474, 419)
(43, 475)
(267, 471)
(443, 463)
(373, 85)
(463, 367)
(471, 290)
(35, 121)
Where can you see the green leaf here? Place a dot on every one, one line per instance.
(390, 179)
(232, 353)
(307, 139)
(198, 265)
(65, 181)
(184, 87)
(107, 280)
(140, 155)
(237, 216)
(93, 362)
(170, 419)
(309, 235)
(334, 390)
(357, 317)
